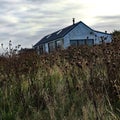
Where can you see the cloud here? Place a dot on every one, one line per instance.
(25, 22)
(109, 18)
(109, 23)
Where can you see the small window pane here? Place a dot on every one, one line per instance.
(51, 46)
(41, 49)
(81, 42)
(73, 42)
(59, 44)
(89, 41)
(59, 32)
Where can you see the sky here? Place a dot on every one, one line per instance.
(25, 22)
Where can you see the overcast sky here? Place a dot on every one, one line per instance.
(25, 22)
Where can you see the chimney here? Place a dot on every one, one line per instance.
(73, 21)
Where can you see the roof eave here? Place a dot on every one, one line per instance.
(102, 32)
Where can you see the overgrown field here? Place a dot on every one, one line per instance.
(81, 83)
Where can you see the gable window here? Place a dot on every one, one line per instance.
(51, 46)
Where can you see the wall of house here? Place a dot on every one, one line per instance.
(98, 39)
(83, 32)
(79, 32)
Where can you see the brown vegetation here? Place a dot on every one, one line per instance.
(77, 83)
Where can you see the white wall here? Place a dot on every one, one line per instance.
(81, 31)
(98, 37)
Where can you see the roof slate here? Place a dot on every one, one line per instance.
(56, 34)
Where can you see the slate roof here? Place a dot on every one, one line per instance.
(58, 34)
(61, 33)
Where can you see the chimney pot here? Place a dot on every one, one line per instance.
(73, 21)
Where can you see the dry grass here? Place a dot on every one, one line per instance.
(80, 83)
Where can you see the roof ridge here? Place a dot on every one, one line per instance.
(63, 28)
(95, 30)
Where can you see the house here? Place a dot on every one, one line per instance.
(75, 34)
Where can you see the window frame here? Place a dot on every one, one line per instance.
(57, 45)
(91, 42)
(51, 48)
(84, 42)
(74, 44)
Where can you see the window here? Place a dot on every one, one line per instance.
(89, 42)
(48, 36)
(41, 49)
(81, 42)
(59, 32)
(59, 44)
(77, 42)
(73, 43)
(51, 46)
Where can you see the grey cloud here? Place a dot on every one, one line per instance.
(25, 22)
(109, 17)
(41, 1)
(109, 23)
(28, 14)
